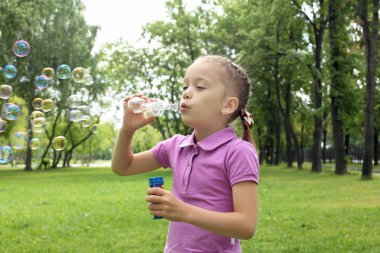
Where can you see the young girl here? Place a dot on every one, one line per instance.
(215, 174)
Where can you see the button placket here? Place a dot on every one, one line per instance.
(188, 168)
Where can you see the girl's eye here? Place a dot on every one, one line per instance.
(184, 87)
(200, 88)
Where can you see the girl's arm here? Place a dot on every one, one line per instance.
(124, 162)
(239, 224)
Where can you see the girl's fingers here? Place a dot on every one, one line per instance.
(153, 199)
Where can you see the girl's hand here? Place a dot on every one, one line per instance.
(133, 121)
(164, 204)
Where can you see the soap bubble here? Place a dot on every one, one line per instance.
(34, 143)
(88, 79)
(21, 48)
(47, 105)
(18, 140)
(41, 82)
(11, 111)
(75, 115)
(86, 121)
(3, 125)
(36, 114)
(6, 154)
(105, 102)
(48, 72)
(84, 109)
(38, 122)
(37, 130)
(79, 74)
(59, 143)
(84, 94)
(37, 103)
(73, 101)
(63, 71)
(5, 91)
(10, 71)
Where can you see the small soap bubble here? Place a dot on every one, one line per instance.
(11, 111)
(37, 103)
(63, 71)
(37, 130)
(48, 72)
(41, 82)
(105, 102)
(88, 80)
(84, 109)
(21, 48)
(73, 101)
(36, 114)
(47, 105)
(34, 143)
(78, 74)
(59, 143)
(3, 125)
(9, 71)
(86, 121)
(6, 154)
(18, 140)
(84, 94)
(38, 122)
(5, 91)
(75, 115)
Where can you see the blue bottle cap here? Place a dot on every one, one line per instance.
(156, 181)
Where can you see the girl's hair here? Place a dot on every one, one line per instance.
(241, 84)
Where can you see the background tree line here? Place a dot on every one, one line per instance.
(313, 65)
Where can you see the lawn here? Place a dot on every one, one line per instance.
(93, 210)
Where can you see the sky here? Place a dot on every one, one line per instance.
(124, 18)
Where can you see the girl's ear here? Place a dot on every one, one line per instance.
(230, 105)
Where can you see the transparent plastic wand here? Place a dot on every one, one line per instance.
(153, 108)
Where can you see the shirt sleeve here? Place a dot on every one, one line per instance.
(161, 152)
(243, 163)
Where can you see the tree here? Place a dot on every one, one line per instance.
(370, 38)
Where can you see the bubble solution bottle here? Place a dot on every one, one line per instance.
(156, 182)
(153, 108)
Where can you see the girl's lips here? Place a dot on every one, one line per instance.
(184, 107)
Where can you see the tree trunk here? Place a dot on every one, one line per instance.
(318, 128)
(324, 140)
(28, 159)
(336, 21)
(376, 147)
(370, 39)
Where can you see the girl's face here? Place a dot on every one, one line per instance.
(203, 96)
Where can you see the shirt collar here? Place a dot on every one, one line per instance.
(212, 141)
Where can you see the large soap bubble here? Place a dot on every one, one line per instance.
(78, 74)
(10, 71)
(5, 91)
(21, 48)
(59, 143)
(11, 111)
(18, 140)
(48, 72)
(6, 154)
(63, 71)
(41, 82)
(47, 105)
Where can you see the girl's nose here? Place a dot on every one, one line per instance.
(186, 94)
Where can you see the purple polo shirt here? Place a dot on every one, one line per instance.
(203, 175)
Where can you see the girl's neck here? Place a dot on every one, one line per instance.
(202, 133)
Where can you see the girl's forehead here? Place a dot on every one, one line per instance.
(206, 70)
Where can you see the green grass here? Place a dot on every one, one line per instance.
(93, 210)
